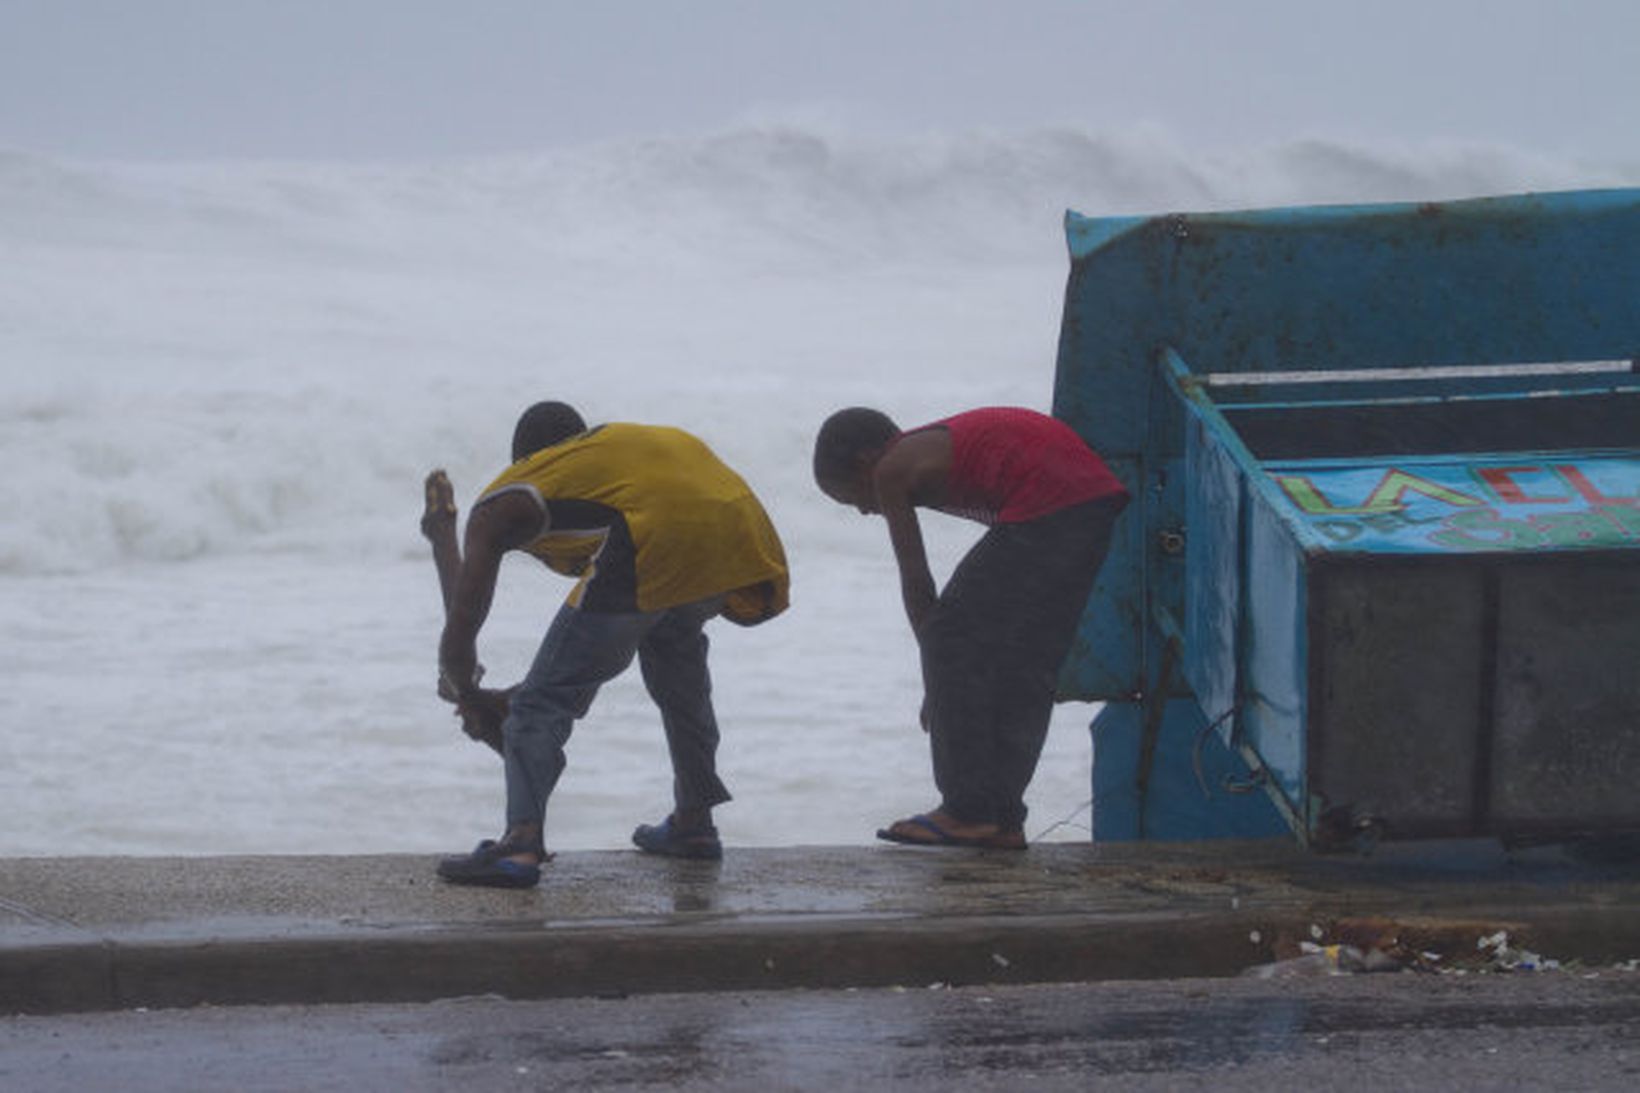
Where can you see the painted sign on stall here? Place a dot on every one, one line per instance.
(1420, 504)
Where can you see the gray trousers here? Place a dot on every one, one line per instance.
(991, 653)
(581, 652)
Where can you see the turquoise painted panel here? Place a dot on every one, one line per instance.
(1196, 787)
(1213, 581)
(1275, 652)
(1537, 277)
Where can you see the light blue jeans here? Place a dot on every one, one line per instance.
(581, 652)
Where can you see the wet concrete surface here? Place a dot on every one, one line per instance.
(159, 898)
(1518, 1031)
(112, 933)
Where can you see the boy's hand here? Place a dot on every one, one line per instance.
(482, 714)
(458, 683)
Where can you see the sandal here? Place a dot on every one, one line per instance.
(490, 865)
(922, 830)
(664, 839)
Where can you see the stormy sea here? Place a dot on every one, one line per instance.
(221, 385)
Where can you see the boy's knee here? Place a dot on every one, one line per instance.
(540, 709)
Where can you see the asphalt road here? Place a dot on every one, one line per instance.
(1551, 1030)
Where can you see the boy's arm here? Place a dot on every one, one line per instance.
(902, 477)
(495, 526)
(438, 524)
(483, 712)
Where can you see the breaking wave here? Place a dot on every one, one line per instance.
(217, 357)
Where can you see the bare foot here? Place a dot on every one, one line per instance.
(482, 714)
(439, 504)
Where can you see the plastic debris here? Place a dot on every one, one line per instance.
(1501, 956)
(1318, 960)
(1298, 967)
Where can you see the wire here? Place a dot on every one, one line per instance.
(1068, 821)
(1196, 751)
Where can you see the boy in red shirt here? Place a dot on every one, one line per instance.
(993, 640)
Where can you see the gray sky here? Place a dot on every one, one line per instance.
(394, 79)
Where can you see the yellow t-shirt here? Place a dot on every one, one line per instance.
(649, 518)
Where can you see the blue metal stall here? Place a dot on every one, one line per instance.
(1382, 575)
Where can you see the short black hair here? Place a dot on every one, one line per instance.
(543, 425)
(845, 437)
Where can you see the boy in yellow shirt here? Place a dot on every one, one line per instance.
(662, 536)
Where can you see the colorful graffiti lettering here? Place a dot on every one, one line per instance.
(1389, 495)
(1452, 506)
(1484, 529)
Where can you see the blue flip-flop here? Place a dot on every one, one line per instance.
(663, 838)
(939, 836)
(490, 866)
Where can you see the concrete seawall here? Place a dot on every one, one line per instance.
(107, 933)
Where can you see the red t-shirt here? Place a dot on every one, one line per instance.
(1009, 465)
